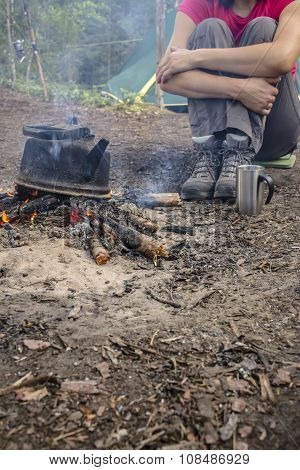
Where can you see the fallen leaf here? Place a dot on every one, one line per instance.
(240, 445)
(36, 345)
(75, 313)
(82, 387)
(30, 394)
(245, 431)
(226, 431)
(88, 413)
(187, 395)
(283, 377)
(210, 434)
(238, 405)
(103, 368)
(238, 385)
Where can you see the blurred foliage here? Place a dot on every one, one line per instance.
(81, 43)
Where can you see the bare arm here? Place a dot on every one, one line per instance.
(194, 84)
(262, 60)
(256, 94)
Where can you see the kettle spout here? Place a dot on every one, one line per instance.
(97, 153)
(102, 145)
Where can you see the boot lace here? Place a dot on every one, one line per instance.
(207, 164)
(232, 158)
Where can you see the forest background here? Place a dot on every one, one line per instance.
(82, 44)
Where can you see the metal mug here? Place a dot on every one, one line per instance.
(250, 189)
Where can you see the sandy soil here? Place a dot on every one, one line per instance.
(170, 369)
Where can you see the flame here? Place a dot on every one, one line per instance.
(33, 216)
(4, 217)
(75, 217)
(26, 200)
(89, 214)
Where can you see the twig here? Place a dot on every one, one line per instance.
(163, 301)
(150, 439)
(153, 337)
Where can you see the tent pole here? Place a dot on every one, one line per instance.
(160, 40)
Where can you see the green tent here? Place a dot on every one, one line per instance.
(138, 73)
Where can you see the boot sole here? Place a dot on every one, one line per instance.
(196, 195)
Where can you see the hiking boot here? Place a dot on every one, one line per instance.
(235, 152)
(201, 184)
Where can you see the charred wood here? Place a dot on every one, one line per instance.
(8, 203)
(99, 253)
(42, 204)
(137, 241)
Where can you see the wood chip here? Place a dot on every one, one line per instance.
(283, 377)
(30, 394)
(245, 431)
(227, 431)
(238, 405)
(34, 345)
(87, 387)
(103, 368)
(266, 389)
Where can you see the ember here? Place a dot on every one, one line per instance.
(33, 217)
(4, 217)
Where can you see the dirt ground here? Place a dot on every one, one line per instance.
(201, 352)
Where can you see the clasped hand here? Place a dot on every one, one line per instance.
(175, 61)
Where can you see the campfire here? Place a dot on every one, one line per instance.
(101, 225)
(64, 181)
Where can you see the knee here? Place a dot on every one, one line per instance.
(264, 27)
(211, 24)
(211, 27)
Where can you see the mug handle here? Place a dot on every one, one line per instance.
(270, 183)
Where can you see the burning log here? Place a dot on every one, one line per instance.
(161, 200)
(8, 202)
(137, 241)
(98, 251)
(43, 204)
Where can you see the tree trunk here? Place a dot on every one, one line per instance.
(160, 40)
(36, 55)
(10, 43)
(28, 69)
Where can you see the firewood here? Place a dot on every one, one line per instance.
(98, 251)
(142, 223)
(138, 218)
(7, 202)
(42, 204)
(139, 242)
(4, 196)
(161, 200)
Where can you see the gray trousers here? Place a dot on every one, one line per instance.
(272, 137)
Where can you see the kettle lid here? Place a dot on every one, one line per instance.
(45, 132)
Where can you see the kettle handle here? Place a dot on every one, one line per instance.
(267, 179)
